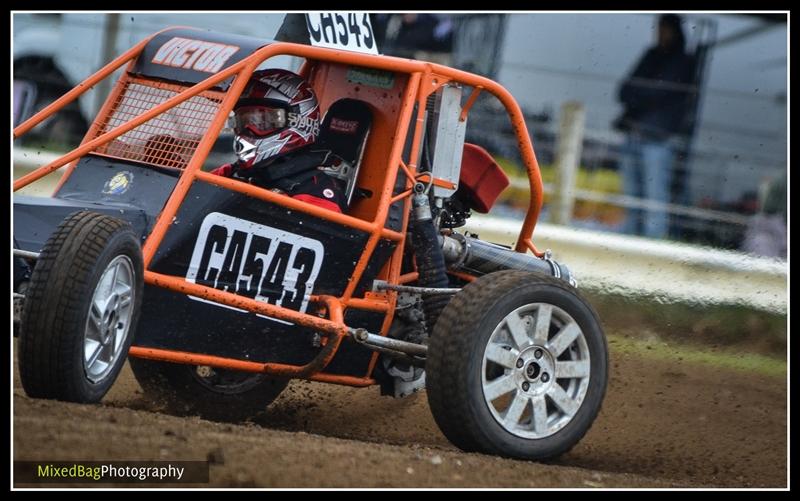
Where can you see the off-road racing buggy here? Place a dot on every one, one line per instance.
(219, 292)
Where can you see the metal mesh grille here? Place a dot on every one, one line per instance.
(167, 140)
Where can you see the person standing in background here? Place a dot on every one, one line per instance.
(654, 97)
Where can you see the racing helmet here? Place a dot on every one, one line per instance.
(277, 113)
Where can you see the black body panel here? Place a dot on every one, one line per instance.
(147, 188)
(212, 241)
(35, 218)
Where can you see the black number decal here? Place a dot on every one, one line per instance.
(344, 38)
(215, 243)
(254, 266)
(314, 31)
(233, 262)
(303, 261)
(272, 286)
(352, 21)
(369, 40)
(325, 22)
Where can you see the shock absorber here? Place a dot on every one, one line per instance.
(429, 255)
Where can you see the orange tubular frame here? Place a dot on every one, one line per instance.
(424, 78)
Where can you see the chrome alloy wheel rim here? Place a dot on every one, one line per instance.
(535, 371)
(109, 319)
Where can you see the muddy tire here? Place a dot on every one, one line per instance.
(517, 366)
(81, 309)
(216, 394)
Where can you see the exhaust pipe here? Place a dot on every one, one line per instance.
(479, 257)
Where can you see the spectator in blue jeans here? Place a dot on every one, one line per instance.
(654, 98)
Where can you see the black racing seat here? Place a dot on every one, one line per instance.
(344, 131)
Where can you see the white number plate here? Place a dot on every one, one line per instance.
(255, 261)
(342, 30)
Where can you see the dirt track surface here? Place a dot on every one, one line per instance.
(662, 425)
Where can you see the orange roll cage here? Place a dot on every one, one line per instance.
(423, 78)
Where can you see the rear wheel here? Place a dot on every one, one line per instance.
(517, 366)
(212, 393)
(80, 309)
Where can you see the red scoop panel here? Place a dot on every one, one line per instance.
(482, 180)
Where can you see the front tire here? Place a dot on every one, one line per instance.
(517, 366)
(81, 309)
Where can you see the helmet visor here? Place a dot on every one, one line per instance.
(258, 120)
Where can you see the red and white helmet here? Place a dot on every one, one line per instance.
(277, 113)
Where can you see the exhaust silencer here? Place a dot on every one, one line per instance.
(479, 257)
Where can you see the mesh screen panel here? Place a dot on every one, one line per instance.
(167, 140)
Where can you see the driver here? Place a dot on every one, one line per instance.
(276, 122)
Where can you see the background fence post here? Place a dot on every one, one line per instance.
(109, 52)
(568, 157)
